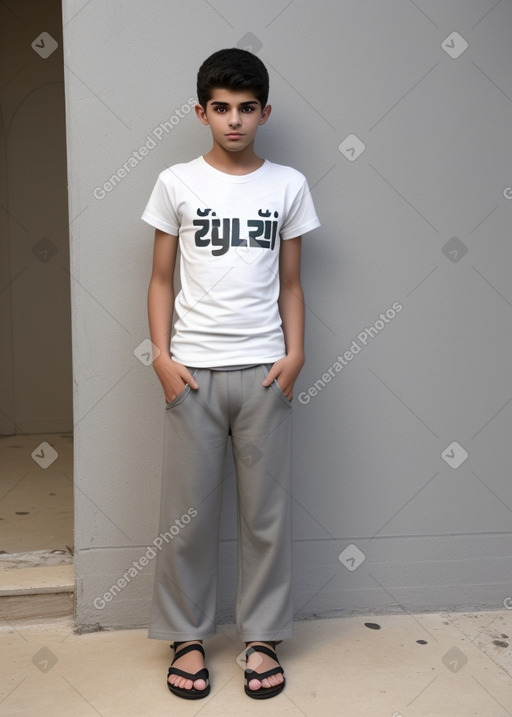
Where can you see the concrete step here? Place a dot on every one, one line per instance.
(45, 591)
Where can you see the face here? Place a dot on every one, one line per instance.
(234, 117)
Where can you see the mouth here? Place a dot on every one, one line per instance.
(234, 135)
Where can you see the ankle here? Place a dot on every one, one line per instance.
(272, 643)
(177, 645)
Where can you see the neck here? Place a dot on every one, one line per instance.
(242, 162)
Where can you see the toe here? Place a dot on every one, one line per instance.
(180, 682)
(270, 681)
(254, 684)
(184, 684)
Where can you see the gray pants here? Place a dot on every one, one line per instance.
(197, 425)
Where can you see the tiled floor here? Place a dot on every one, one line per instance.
(334, 667)
(36, 502)
(435, 665)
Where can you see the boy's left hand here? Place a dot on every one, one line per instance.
(285, 371)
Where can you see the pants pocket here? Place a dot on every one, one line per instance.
(182, 394)
(276, 388)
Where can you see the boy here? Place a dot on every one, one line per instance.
(229, 369)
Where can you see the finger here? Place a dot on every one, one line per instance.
(284, 388)
(173, 387)
(287, 389)
(172, 394)
(269, 378)
(188, 378)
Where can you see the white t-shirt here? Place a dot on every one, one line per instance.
(230, 228)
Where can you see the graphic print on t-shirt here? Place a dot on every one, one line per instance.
(260, 233)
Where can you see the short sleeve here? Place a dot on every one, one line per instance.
(301, 216)
(160, 212)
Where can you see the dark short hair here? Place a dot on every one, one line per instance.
(232, 69)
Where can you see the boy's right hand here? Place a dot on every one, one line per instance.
(173, 376)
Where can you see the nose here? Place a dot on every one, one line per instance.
(234, 118)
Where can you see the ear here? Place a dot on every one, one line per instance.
(201, 114)
(265, 114)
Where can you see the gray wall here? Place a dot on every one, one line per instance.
(402, 497)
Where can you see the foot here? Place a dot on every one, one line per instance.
(192, 662)
(261, 663)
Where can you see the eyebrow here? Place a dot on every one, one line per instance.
(242, 104)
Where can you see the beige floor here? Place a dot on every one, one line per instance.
(333, 667)
(36, 499)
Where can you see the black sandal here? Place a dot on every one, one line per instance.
(202, 674)
(263, 692)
